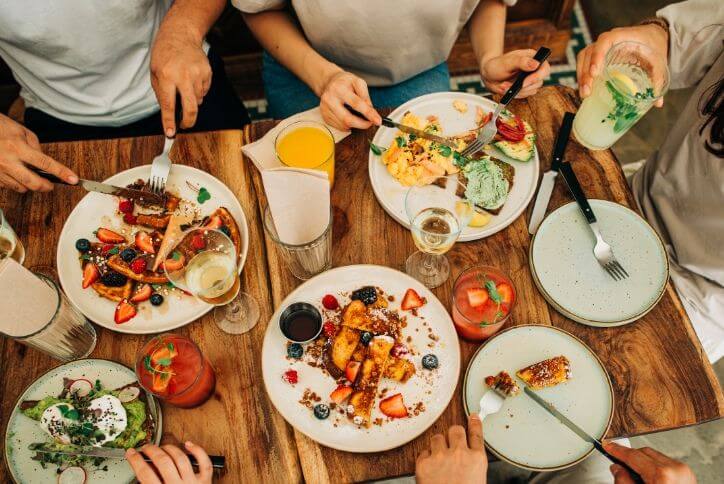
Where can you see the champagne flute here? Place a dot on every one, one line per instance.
(207, 267)
(437, 217)
(10, 245)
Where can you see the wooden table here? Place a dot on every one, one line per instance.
(660, 373)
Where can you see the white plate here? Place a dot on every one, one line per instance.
(96, 210)
(23, 431)
(433, 388)
(391, 194)
(572, 280)
(522, 432)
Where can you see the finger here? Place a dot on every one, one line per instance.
(359, 105)
(658, 456)
(522, 61)
(163, 462)
(182, 462)
(457, 437)
(47, 164)
(494, 87)
(634, 458)
(423, 455)
(360, 88)
(202, 459)
(584, 76)
(32, 140)
(581, 64)
(28, 179)
(199, 91)
(437, 444)
(329, 117)
(529, 91)
(599, 49)
(9, 182)
(659, 103)
(166, 94)
(144, 472)
(621, 475)
(190, 106)
(475, 432)
(348, 119)
(538, 76)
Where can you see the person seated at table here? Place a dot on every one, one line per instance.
(93, 69)
(375, 53)
(680, 188)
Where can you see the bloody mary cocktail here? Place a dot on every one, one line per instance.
(173, 368)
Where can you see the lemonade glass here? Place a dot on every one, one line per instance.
(306, 144)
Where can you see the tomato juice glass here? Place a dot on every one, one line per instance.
(483, 298)
(172, 367)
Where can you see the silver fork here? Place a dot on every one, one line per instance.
(160, 168)
(487, 132)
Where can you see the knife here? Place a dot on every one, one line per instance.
(549, 177)
(548, 407)
(419, 133)
(217, 461)
(144, 197)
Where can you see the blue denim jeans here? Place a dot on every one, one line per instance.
(286, 94)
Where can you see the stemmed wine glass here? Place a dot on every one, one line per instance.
(205, 264)
(437, 216)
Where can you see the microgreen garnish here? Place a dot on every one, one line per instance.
(378, 150)
(493, 291)
(85, 257)
(203, 195)
(176, 255)
(459, 160)
(171, 347)
(400, 141)
(413, 137)
(98, 385)
(147, 363)
(113, 251)
(164, 361)
(445, 150)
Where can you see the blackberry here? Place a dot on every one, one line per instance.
(128, 254)
(321, 411)
(365, 338)
(367, 295)
(156, 299)
(83, 245)
(295, 351)
(430, 362)
(225, 230)
(113, 279)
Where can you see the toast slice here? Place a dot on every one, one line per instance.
(399, 369)
(508, 173)
(222, 217)
(340, 350)
(116, 294)
(155, 221)
(365, 391)
(148, 276)
(546, 373)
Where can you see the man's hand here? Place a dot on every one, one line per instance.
(590, 60)
(179, 64)
(344, 88)
(653, 466)
(499, 72)
(20, 147)
(171, 464)
(461, 459)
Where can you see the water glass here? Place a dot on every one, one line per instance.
(10, 245)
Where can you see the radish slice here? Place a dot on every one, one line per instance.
(81, 387)
(129, 394)
(72, 475)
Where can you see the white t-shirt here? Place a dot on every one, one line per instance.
(83, 61)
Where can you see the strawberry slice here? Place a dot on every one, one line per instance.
(125, 311)
(352, 370)
(340, 394)
(90, 274)
(198, 242)
(144, 242)
(506, 293)
(125, 206)
(139, 265)
(477, 297)
(214, 223)
(412, 300)
(142, 294)
(394, 406)
(109, 236)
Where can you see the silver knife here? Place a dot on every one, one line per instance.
(548, 407)
(549, 177)
(217, 461)
(419, 133)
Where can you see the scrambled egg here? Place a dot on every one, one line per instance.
(417, 161)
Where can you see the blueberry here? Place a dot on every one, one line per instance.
(225, 230)
(156, 299)
(367, 295)
(128, 254)
(295, 351)
(321, 411)
(83, 245)
(430, 362)
(113, 279)
(365, 338)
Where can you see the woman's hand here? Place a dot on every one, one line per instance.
(19, 147)
(171, 464)
(344, 88)
(499, 72)
(653, 466)
(461, 459)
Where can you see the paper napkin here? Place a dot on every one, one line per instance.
(298, 201)
(262, 151)
(27, 303)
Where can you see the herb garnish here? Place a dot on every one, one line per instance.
(400, 141)
(376, 149)
(203, 195)
(444, 150)
(626, 112)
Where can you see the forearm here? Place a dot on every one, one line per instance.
(281, 37)
(191, 17)
(487, 29)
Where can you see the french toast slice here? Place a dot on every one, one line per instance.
(355, 316)
(340, 350)
(546, 373)
(227, 220)
(365, 391)
(399, 369)
(116, 294)
(155, 221)
(149, 277)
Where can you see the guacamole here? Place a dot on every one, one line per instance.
(486, 184)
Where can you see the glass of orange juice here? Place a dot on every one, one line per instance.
(306, 144)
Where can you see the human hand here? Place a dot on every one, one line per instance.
(171, 464)
(591, 59)
(344, 88)
(653, 466)
(179, 64)
(499, 72)
(461, 459)
(20, 147)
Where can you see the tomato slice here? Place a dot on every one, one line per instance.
(511, 131)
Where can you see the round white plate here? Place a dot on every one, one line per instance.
(96, 210)
(522, 432)
(23, 431)
(433, 388)
(391, 194)
(571, 279)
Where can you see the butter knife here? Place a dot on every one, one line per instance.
(419, 133)
(217, 461)
(549, 177)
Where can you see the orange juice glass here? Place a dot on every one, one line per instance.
(306, 144)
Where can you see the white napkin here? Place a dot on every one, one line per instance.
(262, 151)
(27, 303)
(299, 202)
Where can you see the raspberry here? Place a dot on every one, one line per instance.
(329, 329)
(107, 247)
(330, 302)
(125, 206)
(291, 376)
(129, 218)
(138, 266)
(198, 242)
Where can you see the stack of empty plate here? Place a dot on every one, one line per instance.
(572, 280)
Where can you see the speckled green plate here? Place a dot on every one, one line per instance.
(23, 431)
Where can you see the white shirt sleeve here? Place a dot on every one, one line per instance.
(256, 6)
(509, 3)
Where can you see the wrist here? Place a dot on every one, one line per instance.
(659, 29)
(324, 71)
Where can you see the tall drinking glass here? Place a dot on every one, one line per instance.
(10, 245)
(437, 217)
(633, 78)
(306, 144)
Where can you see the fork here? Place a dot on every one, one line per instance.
(160, 168)
(602, 250)
(487, 132)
